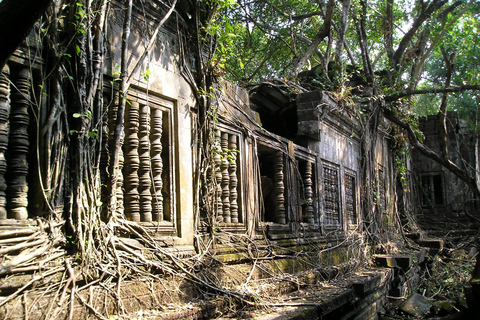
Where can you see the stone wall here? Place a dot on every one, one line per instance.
(441, 196)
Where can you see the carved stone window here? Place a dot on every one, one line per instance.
(331, 195)
(227, 173)
(272, 168)
(432, 190)
(350, 198)
(148, 171)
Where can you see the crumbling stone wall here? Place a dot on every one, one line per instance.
(442, 197)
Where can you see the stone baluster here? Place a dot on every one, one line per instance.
(120, 209)
(232, 145)
(18, 145)
(132, 161)
(157, 163)
(4, 113)
(279, 188)
(112, 120)
(307, 182)
(218, 179)
(144, 172)
(225, 179)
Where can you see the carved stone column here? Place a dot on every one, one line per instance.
(4, 113)
(144, 172)
(18, 145)
(132, 161)
(157, 163)
(120, 209)
(218, 179)
(307, 182)
(232, 145)
(279, 188)
(225, 179)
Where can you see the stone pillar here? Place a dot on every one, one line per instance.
(279, 188)
(144, 172)
(132, 162)
(157, 163)
(4, 113)
(232, 145)
(307, 182)
(18, 145)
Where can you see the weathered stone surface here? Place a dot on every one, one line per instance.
(336, 300)
(367, 284)
(417, 305)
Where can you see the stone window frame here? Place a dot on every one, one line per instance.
(169, 108)
(327, 221)
(275, 151)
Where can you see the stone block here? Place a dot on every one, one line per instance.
(392, 261)
(417, 305)
(308, 98)
(336, 300)
(431, 243)
(367, 284)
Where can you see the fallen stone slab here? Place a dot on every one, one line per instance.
(417, 305)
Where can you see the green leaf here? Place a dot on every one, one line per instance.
(76, 115)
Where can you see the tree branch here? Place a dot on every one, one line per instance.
(407, 93)
(322, 33)
(424, 15)
(418, 68)
(429, 153)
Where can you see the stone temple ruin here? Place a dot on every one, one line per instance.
(288, 172)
